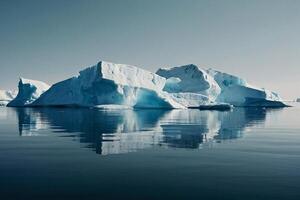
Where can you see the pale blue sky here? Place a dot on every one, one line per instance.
(52, 40)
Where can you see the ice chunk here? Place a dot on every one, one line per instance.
(29, 91)
(109, 83)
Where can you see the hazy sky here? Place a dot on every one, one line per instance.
(52, 40)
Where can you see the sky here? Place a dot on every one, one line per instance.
(52, 40)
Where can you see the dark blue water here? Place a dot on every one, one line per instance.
(59, 153)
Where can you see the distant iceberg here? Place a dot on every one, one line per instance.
(6, 96)
(29, 91)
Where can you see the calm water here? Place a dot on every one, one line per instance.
(149, 154)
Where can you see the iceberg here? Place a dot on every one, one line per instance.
(29, 91)
(6, 96)
(238, 92)
(110, 84)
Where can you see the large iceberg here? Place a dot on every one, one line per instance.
(118, 86)
(110, 84)
(6, 96)
(29, 91)
(239, 92)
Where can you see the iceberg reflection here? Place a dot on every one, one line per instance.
(124, 131)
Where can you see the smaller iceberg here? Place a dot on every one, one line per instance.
(6, 96)
(239, 92)
(29, 91)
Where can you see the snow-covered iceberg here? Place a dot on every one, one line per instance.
(118, 86)
(29, 91)
(109, 83)
(239, 92)
(6, 96)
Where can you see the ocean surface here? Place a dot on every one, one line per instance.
(74, 153)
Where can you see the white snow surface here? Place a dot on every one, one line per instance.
(109, 83)
(6, 96)
(29, 91)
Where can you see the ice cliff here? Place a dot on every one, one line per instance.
(29, 91)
